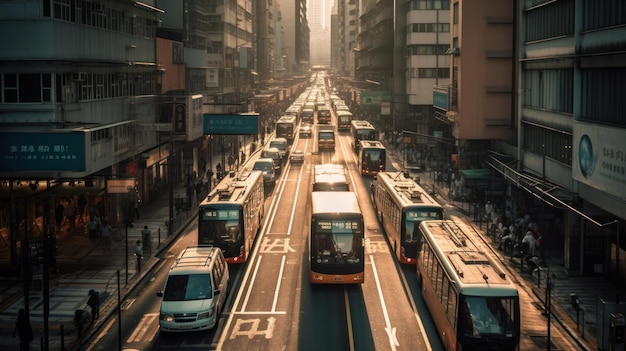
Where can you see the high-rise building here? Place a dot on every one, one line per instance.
(318, 15)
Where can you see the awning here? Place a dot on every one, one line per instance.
(550, 193)
(476, 173)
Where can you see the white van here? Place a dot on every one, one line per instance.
(195, 290)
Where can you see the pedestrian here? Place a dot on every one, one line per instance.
(94, 304)
(146, 236)
(92, 226)
(82, 203)
(23, 328)
(58, 215)
(81, 318)
(70, 213)
(138, 254)
(105, 234)
(530, 240)
(488, 209)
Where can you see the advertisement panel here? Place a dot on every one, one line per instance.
(599, 158)
(40, 151)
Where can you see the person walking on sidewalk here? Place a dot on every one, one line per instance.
(94, 304)
(23, 328)
(138, 255)
(146, 236)
(70, 213)
(105, 233)
(92, 226)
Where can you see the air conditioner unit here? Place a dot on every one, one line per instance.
(79, 76)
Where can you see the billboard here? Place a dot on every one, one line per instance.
(599, 157)
(41, 151)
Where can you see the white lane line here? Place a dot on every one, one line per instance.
(349, 319)
(142, 327)
(391, 331)
(278, 281)
(252, 280)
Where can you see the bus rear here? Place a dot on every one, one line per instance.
(372, 157)
(326, 137)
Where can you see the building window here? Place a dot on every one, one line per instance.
(602, 14)
(26, 88)
(429, 28)
(551, 20)
(429, 4)
(603, 100)
(549, 89)
(427, 49)
(553, 143)
(429, 73)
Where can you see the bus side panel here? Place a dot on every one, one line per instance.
(446, 331)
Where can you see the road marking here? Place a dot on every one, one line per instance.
(253, 328)
(252, 280)
(142, 328)
(391, 331)
(126, 304)
(277, 245)
(349, 319)
(374, 246)
(104, 332)
(278, 280)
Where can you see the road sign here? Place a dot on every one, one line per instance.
(231, 124)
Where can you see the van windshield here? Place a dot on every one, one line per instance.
(188, 287)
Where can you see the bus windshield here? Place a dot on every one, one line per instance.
(365, 134)
(493, 316)
(337, 241)
(413, 220)
(221, 225)
(373, 158)
(185, 287)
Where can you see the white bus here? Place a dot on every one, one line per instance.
(471, 299)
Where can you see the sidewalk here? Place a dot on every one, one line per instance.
(582, 325)
(83, 265)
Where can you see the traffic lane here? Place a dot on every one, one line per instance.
(391, 305)
(395, 322)
(140, 312)
(263, 316)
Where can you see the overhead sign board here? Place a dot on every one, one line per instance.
(40, 151)
(231, 124)
(120, 186)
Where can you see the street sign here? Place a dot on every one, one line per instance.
(231, 124)
(156, 127)
(120, 186)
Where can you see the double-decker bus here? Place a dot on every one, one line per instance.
(343, 120)
(336, 239)
(325, 137)
(372, 157)
(401, 205)
(474, 304)
(361, 130)
(330, 177)
(231, 215)
(287, 127)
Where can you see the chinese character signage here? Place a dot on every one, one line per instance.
(62, 152)
(235, 124)
(599, 158)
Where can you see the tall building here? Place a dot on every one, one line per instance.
(80, 86)
(569, 147)
(295, 41)
(318, 16)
